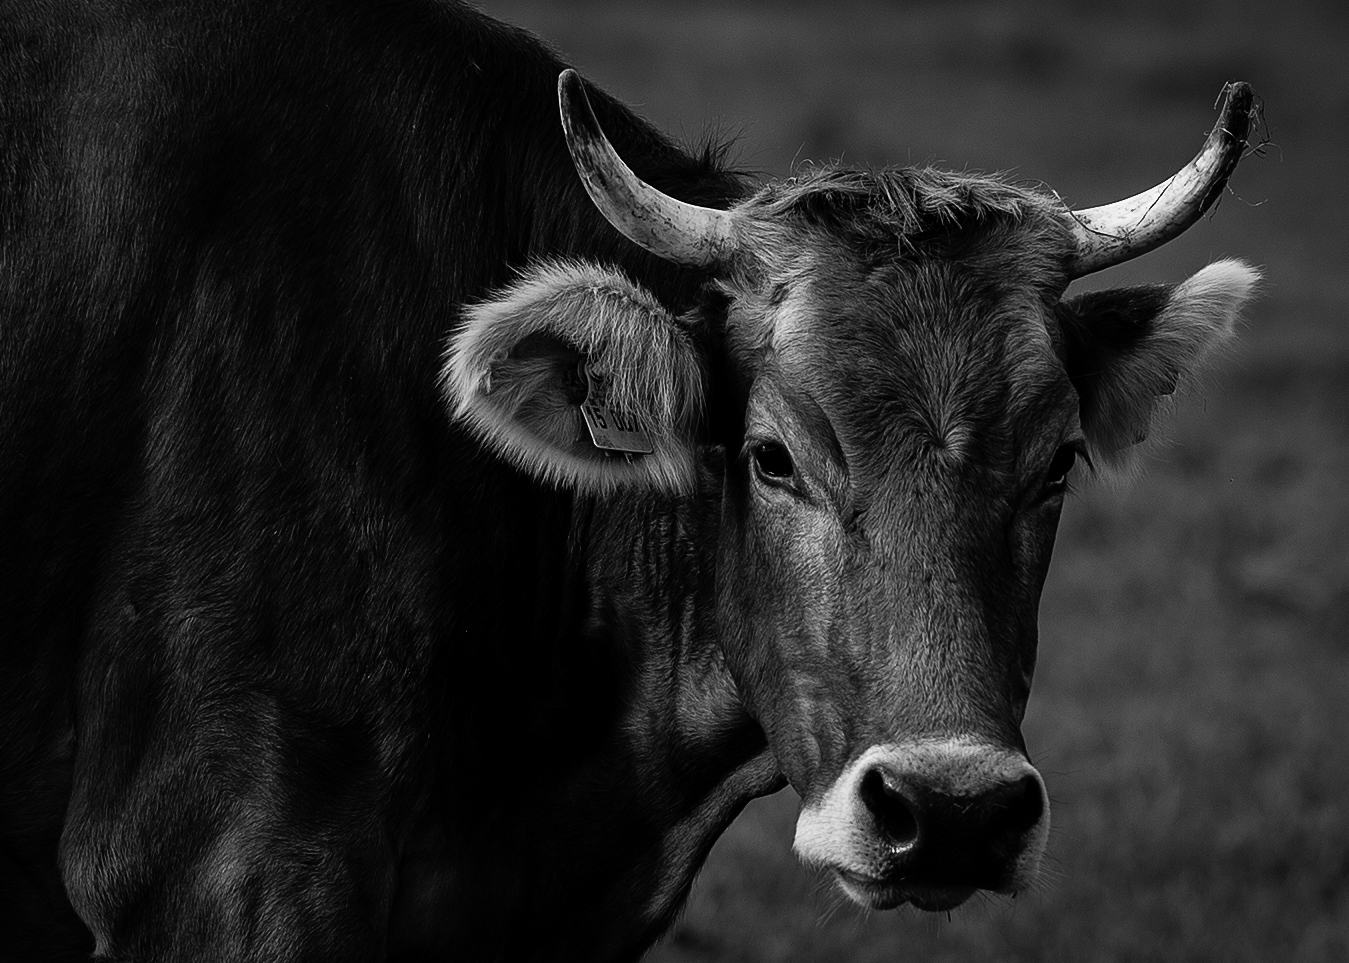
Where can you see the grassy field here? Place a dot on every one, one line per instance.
(1191, 708)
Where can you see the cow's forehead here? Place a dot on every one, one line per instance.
(924, 367)
(920, 349)
(914, 307)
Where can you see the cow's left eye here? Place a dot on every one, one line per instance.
(772, 461)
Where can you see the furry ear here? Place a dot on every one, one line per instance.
(523, 363)
(1127, 348)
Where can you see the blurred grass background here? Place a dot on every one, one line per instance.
(1191, 706)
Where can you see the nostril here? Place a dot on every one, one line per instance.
(1014, 808)
(894, 812)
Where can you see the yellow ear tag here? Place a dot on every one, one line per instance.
(609, 429)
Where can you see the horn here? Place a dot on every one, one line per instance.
(1114, 233)
(671, 229)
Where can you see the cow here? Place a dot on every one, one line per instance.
(425, 525)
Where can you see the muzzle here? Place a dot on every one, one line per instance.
(928, 822)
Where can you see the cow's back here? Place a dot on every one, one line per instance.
(247, 569)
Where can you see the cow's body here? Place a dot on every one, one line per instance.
(293, 665)
(255, 587)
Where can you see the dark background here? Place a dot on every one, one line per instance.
(1191, 708)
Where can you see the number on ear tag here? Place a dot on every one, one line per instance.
(609, 430)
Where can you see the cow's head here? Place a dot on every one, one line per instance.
(901, 391)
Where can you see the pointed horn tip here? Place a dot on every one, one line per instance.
(1239, 95)
(1239, 110)
(569, 85)
(572, 100)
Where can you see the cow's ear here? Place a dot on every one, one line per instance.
(569, 334)
(1126, 349)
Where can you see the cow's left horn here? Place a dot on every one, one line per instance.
(683, 233)
(1116, 232)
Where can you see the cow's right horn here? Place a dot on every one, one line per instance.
(1114, 233)
(683, 233)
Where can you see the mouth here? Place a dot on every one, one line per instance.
(879, 894)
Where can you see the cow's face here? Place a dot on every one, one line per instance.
(890, 508)
(898, 394)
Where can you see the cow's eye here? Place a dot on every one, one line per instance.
(771, 461)
(1056, 477)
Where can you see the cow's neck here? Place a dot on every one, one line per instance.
(600, 834)
(684, 755)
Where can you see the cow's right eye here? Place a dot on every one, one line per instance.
(1062, 463)
(771, 461)
(1056, 476)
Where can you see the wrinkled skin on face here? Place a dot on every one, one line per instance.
(889, 524)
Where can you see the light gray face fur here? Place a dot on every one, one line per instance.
(882, 592)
